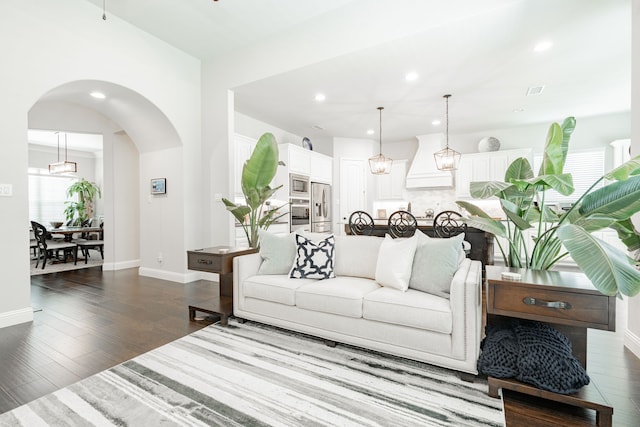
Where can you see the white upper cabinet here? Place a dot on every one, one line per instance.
(299, 159)
(490, 166)
(321, 168)
(391, 186)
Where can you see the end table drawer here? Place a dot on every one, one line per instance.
(204, 262)
(571, 308)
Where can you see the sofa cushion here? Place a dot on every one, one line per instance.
(277, 251)
(313, 260)
(342, 295)
(274, 288)
(395, 259)
(434, 264)
(357, 256)
(413, 308)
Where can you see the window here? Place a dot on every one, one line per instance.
(586, 167)
(47, 195)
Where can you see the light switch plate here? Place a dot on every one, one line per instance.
(6, 190)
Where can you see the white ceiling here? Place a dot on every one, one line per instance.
(74, 141)
(485, 59)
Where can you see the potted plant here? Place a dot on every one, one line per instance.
(81, 210)
(257, 174)
(556, 233)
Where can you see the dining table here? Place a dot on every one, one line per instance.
(69, 231)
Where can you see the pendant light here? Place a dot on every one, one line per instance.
(447, 159)
(380, 165)
(66, 166)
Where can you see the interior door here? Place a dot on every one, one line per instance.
(352, 187)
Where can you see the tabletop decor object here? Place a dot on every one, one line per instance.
(257, 174)
(522, 198)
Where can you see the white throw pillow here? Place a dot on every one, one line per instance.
(357, 256)
(395, 259)
(313, 260)
(435, 263)
(277, 251)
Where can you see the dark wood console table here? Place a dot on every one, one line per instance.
(568, 302)
(218, 259)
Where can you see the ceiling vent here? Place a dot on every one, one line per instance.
(535, 90)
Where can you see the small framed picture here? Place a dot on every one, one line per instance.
(159, 186)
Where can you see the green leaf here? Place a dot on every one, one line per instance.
(553, 156)
(611, 271)
(260, 169)
(618, 200)
(568, 126)
(472, 209)
(519, 169)
(239, 212)
(487, 189)
(628, 234)
(562, 183)
(489, 225)
(515, 214)
(624, 171)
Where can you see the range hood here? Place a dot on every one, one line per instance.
(423, 172)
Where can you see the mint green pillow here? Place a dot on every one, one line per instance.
(435, 263)
(277, 251)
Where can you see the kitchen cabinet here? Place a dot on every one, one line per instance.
(489, 166)
(392, 185)
(321, 168)
(297, 159)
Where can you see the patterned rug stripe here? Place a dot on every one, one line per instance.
(255, 375)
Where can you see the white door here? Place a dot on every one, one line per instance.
(352, 188)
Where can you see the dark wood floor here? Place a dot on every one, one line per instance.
(86, 321)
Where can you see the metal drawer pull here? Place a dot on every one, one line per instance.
(204, 261)
(548, 304)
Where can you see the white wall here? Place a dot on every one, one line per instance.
(70, 37)
(632, 334)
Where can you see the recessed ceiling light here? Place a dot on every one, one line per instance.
(370, 132)
(320, 97)
(436, 122)
(410, 77)
(542, 46)
(98, 95)
(317, 127)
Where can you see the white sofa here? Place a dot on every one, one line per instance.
(353, 308)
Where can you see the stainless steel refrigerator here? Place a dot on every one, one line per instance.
(320, 208)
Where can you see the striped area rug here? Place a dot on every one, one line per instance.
(255, 375)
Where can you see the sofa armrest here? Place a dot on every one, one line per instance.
(466, 308)
(244, 266)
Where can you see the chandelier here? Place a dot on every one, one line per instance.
(66, 166)
(380, 165)
(447, 159)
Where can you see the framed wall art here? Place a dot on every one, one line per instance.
(159, 186)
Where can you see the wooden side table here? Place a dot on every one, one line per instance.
(568, 302)
(218, 259)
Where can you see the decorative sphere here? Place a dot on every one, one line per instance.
(488, 143)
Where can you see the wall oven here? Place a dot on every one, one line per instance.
(299, 186)
(300, 215)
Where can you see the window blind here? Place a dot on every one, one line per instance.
(586, 167)
(47, 196)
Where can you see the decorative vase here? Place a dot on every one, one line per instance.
(488, 143)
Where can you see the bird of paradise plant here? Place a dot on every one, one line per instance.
(556, 233)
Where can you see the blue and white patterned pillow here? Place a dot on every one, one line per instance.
(313, 260)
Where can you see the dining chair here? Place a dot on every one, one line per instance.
(88, 242)
(402, 224)
(46, 248)
(360, 223)
(448, 224)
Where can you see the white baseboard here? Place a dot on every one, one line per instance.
(632, 342)
(16, 317)
(171, 276)
(122, 265)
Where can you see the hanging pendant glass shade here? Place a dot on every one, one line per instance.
(380, 165)
(447, 159)
(63, 167)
